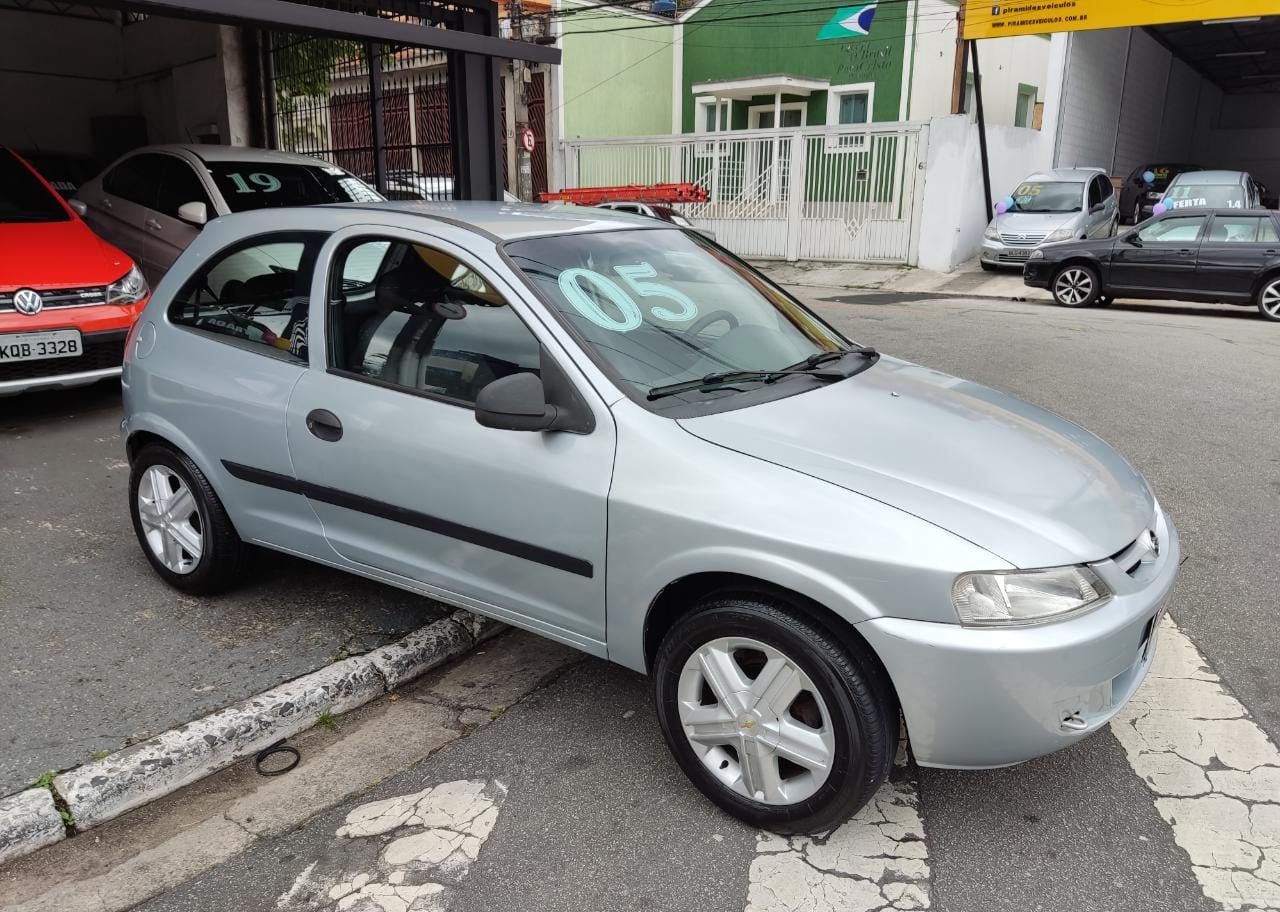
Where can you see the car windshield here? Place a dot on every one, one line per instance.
(263, 185)
(1192, 195)
(22, 197)
(662, 306)
(1049, 196)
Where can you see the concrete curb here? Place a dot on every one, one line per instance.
(106, 788)
(28, 821)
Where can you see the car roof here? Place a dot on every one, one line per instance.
(1217, 210)
(1211, 178)
(501, 221)
(1065, 174)
(218, 153)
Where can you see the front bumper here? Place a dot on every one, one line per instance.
(975, 698)
(102, 359)
(1038, 273)
(1001, 254)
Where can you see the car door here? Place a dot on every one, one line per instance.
(119, 204)
(383, 433)
(1100, 207)
(224, 370)
(1159, 256)
(179, 185)
(1233, 253)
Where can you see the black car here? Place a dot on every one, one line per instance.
(1138, 194)
(1230, 256)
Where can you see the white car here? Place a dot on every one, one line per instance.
(152, 202)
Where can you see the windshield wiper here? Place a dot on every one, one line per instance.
(809, 367)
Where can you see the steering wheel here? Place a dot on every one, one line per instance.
(709, 319)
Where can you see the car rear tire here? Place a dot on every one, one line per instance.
(181, 524)
(774, 719)
(1269, 299)
(1076, 285)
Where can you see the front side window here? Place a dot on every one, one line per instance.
(266, 185)
(1242, 229)
(255, 293)
(22, 197)
(180, 185)
(420, 319)
(657, 307)
(1048, 196)
(1172, 230)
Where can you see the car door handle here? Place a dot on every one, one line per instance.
(106, 204)
(154, 225)
(325, 425)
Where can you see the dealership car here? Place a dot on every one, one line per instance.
(1048, 207)
(1138, 194)
(1212, 189)
(1230, 256)
(615, 434)
(657, 211)
(152, 202)
(67, 298)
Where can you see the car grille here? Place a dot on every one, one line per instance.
(1021, 240)
(98, 355)
(87, 296)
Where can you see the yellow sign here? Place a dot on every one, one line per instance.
(994, 19)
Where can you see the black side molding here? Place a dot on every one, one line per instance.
(407, 517)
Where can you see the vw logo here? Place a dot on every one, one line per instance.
(28, 301)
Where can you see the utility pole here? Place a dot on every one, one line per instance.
(520, 73)
(961, 67)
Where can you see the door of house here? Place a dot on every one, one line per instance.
(766, 180)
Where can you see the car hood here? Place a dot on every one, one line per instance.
(1034, 222)
(57, 255)
(1014, 479)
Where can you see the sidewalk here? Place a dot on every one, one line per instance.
(968, 281)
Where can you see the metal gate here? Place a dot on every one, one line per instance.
(380, 112)
(817, 193)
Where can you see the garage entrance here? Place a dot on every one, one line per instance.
(403, 93)
(1204, 93)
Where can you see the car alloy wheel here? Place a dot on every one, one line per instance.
(1075, 286)
(170, 519)
(1269, 300)
(756, 721)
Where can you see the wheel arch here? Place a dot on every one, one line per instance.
(679, 597)
(1269, 273)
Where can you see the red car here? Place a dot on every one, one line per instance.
(67, 297)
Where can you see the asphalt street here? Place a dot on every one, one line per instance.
(97, 651)
(572, 802)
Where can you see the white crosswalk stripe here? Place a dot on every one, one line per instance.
(1214, 773)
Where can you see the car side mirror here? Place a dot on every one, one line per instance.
(195, 213)
(1096, 208)
(527, 402)
(78, 207)
(1132, 239)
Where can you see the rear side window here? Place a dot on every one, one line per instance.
(420, 319)
(136, 179)
(255, 294)
(1242, 229)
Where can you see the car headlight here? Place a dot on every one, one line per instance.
(1059, 234)
(1020, 597)
(128, 289)
(992, 233)
(1036, 254)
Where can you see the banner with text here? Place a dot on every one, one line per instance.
(988, 19)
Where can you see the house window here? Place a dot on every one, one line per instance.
(849, 105)
(760, 117)
(970, 98)
(1025, 106)
(712, 115)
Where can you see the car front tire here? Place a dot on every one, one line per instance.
(1269, 299)
(1076, 285)
(781, 724)
(181, 524)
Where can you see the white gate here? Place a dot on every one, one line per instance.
(851, 193)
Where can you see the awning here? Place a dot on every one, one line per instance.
(779, 84)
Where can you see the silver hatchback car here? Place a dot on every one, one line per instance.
(619, 436)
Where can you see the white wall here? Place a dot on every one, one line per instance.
(1241, 132)
(953, 215)
(1004, 62)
